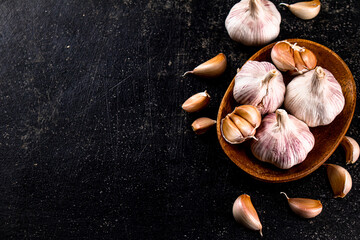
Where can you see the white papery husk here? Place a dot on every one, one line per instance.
(253, 22)
(283, 140)
(315, 97)
(252, 87)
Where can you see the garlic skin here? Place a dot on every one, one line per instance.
(211, 68)
(304, 10)
(292, 58)
(202, 125)
(283, 140)
(340, 180)
(351, 148)
(259, 84)
(241, 124)
(304, 207)
(245, 213)
(315, 97)
(196, 102)
(253, 22)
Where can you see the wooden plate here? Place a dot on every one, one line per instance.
(327, 138)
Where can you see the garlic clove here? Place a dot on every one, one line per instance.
(304, 207)
(202, 125)
(300, 66)
(283, 140)
(282, 56)
(304, 10)
(253, 22)
(230, 132)
(245, 213)
(211, 68)
(196, 102)
(250, 114)
(340, 180)
(308, 58)
(351, 148)
(235, 128)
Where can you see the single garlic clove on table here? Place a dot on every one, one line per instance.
(211, 68)
(351, 148)
(304, 207)
(259, 84)
(245, 213)
(196, 102)
(241, 124)
(304, 10)
(314, 97)
(292, 58)
(202, 125)
(283, 140)
(253, 22)
(340, 180)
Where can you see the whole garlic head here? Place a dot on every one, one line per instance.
(259, 84)
(283, 140)
(315, 97)
(253, 22)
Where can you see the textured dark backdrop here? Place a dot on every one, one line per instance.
(94, 144)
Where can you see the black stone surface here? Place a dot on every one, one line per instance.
(94, 144)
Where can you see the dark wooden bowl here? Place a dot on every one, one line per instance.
(327, 138)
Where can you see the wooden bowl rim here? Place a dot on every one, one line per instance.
(298, 175)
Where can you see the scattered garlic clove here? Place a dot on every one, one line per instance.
(292, 58)
(314, 97)
(211, 68)
(259, 84)
(283, 140)
(304, 10)
(201, 125)
(304, 207)
(340, 180)
(196, 102)
(241, 124)
(253, 22)
(245, 213)
(351, 148)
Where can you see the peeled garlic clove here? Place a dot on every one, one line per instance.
(351, 148)
(292, 58)
(304, 10)
(340, 180)
(211, 68)
(201, 125)
(196, 102)
(245, 213)
(314, 97)
(259, 84)
(283, 140)
(241, 124)
(304, 207)
(253, 22)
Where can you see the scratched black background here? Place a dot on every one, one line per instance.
(94, 144)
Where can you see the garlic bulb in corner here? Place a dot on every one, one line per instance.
(283, 140)
(259, 84)
(253, 22)
(315, 97)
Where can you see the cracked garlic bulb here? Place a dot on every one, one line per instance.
(253, 22)
(315, 97)
(259, 84)
(283, 140)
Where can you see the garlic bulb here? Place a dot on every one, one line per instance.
(211, 68)
(253, 22)
(259, 84)
(292, 58)
(283, 140)
(304, 10)
(241, 124)
(314, 97)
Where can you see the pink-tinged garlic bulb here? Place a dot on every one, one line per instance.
(315, 97)
(283, 140)
(253, 22)
(259, 84)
